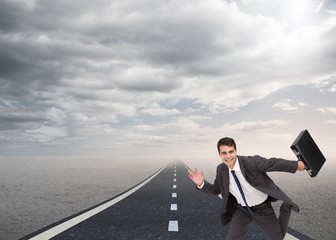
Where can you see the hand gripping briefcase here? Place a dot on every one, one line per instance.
(308, 152)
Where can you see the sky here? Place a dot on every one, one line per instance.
(166, 79)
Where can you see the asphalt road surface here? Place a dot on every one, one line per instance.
(164, 206)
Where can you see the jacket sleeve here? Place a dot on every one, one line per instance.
(275, 164)
(212, 188)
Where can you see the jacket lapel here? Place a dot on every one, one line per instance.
(225, 175)
(242, 167)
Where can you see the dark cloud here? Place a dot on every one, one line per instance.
(20, 121)
(12, 66)
(11, 16)
(150, 86)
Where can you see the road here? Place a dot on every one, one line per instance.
(164, 206)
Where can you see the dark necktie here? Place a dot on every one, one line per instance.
(242, 193)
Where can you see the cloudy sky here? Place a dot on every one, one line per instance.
(151, 78)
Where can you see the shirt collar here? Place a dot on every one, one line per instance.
(237, 166)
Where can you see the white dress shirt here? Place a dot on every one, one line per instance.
(253, 196)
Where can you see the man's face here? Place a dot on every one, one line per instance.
(228, 155)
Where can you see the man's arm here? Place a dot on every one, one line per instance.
(278, 164)
(197, 177)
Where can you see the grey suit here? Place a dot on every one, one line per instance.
(254, 170)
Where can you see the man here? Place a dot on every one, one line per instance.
(247, 191)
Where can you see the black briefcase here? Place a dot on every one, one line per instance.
(308, 152)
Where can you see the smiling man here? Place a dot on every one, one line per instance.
(248, 191)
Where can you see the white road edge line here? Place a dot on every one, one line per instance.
(289, 237)
(52, 232)
(174, 195)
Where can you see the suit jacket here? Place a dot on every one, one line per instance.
(254, 169)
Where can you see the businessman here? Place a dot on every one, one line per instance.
(248, 191)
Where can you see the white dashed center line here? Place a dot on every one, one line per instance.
(173, 226)
(173, 207)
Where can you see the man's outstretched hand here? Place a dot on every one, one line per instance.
(196, 176)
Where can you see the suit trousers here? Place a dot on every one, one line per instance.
(275, 228)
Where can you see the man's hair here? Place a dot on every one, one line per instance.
(226, 142)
